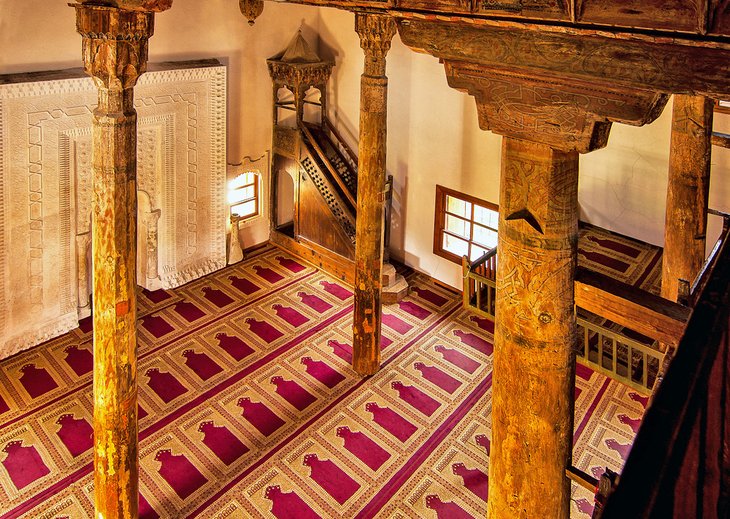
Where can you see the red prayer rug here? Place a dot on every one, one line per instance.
(249, 408)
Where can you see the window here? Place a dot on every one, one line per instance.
(243, 195)
(722, 106)
(464, 225)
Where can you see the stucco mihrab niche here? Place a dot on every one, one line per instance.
(46, 193)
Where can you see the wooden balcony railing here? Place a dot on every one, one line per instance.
(480, 288)
(679, 465)
(613, 353)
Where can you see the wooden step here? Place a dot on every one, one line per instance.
(396, 291)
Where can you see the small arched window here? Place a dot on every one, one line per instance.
(243, 195)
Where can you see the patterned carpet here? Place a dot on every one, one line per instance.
(249, 407)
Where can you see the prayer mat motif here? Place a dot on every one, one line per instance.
(23, 463)
(336, 290)
(80, 359)
(363, 448)
(314, 302)
(233, 346)
(222, 442)
(36, 381)
(422, 435)
(76, 434)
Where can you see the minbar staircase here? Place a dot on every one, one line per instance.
(327, 201)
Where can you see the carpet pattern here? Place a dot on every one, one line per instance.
(248, 406)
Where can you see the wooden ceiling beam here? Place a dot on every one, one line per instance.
(658, 65)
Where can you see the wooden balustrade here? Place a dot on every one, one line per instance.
(679, 465)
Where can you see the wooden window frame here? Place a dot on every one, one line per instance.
(440, 220)
(255, 198)
(722, 109)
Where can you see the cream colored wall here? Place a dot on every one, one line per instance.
(41, 35)
(434, 138)
(433, 134)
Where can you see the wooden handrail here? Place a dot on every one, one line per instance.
(630, 306)
(703, 276)
(333, 172)
(720, 139)
(483, 258)
(333, 130)
(581, 478)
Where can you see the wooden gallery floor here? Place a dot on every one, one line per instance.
(248, 406)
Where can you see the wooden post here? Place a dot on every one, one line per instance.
(685, 228)
(115, 54)
(376, 32)
(534, 360)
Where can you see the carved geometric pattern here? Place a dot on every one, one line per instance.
(46, 190)
(332, 201)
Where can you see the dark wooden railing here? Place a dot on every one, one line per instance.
(610, 352)
(679, 465)
(480, 288)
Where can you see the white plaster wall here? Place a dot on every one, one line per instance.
(41, 35)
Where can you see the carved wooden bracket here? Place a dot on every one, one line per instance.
(114, 43)
(569, 115)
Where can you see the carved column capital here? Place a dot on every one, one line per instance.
(114, 43)
(132, 5)
(376, 32)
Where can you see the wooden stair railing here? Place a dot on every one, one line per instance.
(324, 160)
(479, 283)
(338, 206)
(332, 165)
(347, 152)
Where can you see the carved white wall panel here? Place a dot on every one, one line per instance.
(46, 193)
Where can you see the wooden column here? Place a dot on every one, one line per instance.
(115, 54)
(376, 32)
(685, 227)
(534, 361)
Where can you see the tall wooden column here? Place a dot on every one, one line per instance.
(115, 54)
(376, 32)
(535, 332)
(685, 227)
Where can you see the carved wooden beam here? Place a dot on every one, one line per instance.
(131, 5)
(376, 32)
(115, 55)
(631, 307)
(659, 65)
